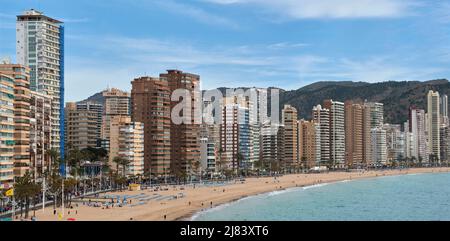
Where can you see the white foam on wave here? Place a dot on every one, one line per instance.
(270, 194)
(315, 186)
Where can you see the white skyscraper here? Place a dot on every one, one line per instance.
(40, 46)
(416, 126)
(379, 146)
(433, 123)
(443, 109)
(337, 132)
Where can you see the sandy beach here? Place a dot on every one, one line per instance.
(200, 198)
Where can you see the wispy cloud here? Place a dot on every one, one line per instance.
(333, 9)
(75, 20)
(116, 60)
(196, 13)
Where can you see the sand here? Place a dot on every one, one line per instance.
(200, 198)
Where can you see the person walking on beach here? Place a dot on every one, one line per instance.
(165, 217)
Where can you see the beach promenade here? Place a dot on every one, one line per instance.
(149, 205)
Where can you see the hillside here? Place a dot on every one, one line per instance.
(396, 96)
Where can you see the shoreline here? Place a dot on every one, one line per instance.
(199, 199)
(192, 217)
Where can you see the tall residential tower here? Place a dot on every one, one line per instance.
(40, 46)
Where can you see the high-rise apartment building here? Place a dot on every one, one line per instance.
(445, 143)
(185, 137)
(234, 133)
(40, 132)
(127, 141)
(309, 143)
(376, 114)
(20, 75)
(357, 135)
(379, 146)
(289, 121)
(322, 117)
(272, 146)
(433, 122)
(40, 46)
(6, 131)
(116, 103)
(415, 135)
(395, 142)
(443, 109)
(150, 98)
(82, 127)
(337, 132)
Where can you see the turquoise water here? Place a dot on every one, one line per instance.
(409, 197)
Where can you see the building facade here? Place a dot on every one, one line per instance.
(433, 122)
(379, 146)
(40, 133)
(127, 141)
(6, 131)
(185, 137)
(40, 46)
(322, 117)
(82, 127)
(150, 98)
(116, 103)
(309, 143)
(337, 132)
(22, 96)
(289, 121)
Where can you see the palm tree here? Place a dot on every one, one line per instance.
(69, 187)
(120, 161)
(26, 189)
(74, 158)
(54, 157)
(55, 188)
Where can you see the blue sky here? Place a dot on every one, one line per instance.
(283, 43)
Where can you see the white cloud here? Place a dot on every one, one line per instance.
(116, 60)
(196, 13)
(333, 9)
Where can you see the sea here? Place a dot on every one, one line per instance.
(413, 197)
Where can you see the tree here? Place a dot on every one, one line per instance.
(54, 159)
(120, 161)
(74, 158)
(25, 189)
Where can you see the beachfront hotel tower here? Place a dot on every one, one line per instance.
(150, 101)
(415, 138)
(40, 46)
(322, 118)
(289, 118)
(82, 125)
(20, 76)
(6, 131)
(115, 103)
(337, 132)
(309, 143)
(185, 137)
(40, 133)
(443, 109)
(433, 122)
(127, 142)
(235, 133)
